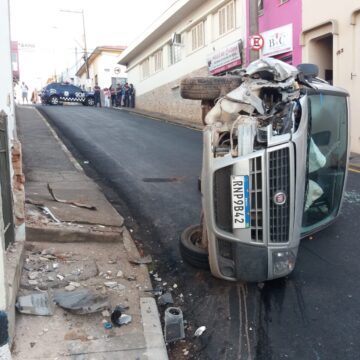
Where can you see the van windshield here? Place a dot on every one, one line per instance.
(326, 165)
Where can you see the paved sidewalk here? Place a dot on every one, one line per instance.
(88, 249)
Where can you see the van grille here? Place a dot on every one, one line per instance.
(256, 203)
(222, 199)
(279, 181)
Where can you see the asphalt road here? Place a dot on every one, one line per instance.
(153, 167)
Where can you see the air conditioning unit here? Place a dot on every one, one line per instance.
(176, 39)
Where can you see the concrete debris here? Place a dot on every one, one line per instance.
(85, 206)
(60, 277)
(143, 260)
(120, 274)
(70, 288)
(105, 313)
(110, 284)
(41, 303)
(75, 284)
(33, 282)
(166, 299)
(81, 301)
(33, 275)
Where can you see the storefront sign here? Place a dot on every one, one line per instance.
(224, 59)
(278, 41)
(257, 42)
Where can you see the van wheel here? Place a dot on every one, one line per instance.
(190, 250)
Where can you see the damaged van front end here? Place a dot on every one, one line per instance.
(269, 162)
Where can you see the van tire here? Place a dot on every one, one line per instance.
(190, 252)
(208, 87)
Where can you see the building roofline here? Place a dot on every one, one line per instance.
(175, 13)
(97, 51)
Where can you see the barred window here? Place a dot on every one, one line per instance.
(145, 68)
(158, 60)
(175, 53)
(226, 18)
(197, 36)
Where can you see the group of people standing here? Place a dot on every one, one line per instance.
(123, 95)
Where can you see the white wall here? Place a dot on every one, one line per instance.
(191, 61)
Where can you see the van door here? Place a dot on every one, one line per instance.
(326, 160)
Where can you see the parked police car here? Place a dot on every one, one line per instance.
(58, 93)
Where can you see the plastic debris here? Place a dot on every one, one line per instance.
(41, 303)
(108, 325)
(166, 299)
(174, 324)
(81, 301)
(199, 331)
(118, 318)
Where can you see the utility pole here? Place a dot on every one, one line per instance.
(85, 56)
(254, 25)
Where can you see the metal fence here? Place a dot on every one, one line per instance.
(5, 182)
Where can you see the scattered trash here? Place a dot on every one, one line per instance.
(86, 162)
(33, 275)
(41, 303)
(118, 318)
(157, 279)
(166, 299)
(174, 324)
(157, 291)
(47, 211)
(81, 301)
(108, 325)
(175, 286)
(199, 331)
(60, 277)
(89, 207)
(143, 260)
(186, 352)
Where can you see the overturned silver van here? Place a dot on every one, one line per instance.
(275, 153)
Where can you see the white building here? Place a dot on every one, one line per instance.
(103, 68)
(192, 38)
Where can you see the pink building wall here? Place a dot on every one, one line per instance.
(276, 15)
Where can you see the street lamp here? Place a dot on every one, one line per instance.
(85, 47)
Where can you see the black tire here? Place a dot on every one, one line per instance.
(208, 88)
(54, 100)
(90, 101)
(190, 252)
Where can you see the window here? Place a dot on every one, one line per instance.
(197, 36)
(175, 53)
(145, 68)
(226, 18)
(158, 60)
(261, 7)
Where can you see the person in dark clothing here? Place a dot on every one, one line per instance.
(97, 96)
(126, 95)
(119, 95)
(112, 95)
(132, 95)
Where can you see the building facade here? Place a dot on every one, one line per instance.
(192, 38)
(330, 38)
(280, 24)
(103, 68)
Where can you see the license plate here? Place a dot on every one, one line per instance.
(240, 201)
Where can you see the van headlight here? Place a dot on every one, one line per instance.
(283, 262)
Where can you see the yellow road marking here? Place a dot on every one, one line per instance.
(354, 170)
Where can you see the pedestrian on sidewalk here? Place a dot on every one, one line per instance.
(132, 95)
(34, 96)
(24, 92)
(119, 95)
(112, 95)
(107, 96)
(126, 95)
(97, 95)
